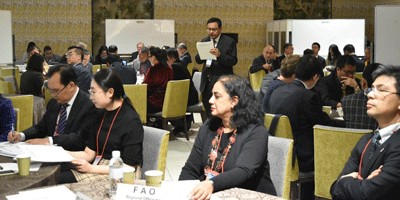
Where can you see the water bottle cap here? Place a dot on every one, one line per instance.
(116, 154)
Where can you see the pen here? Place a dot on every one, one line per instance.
(13, 132)
(1, 168)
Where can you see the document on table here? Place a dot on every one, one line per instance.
(57, 192)
(204, 50)
(180, 189)
(10, 149)
(14, 166)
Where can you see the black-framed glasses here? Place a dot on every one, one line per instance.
(379, 92)
(212, 29)
(55, 93)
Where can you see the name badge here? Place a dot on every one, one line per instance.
(97, 160)
(208, 62)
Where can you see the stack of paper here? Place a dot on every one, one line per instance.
(10, 150)
(58, 192)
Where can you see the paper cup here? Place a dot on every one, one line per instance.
(24, 164)
(153, 178)
(129, 175)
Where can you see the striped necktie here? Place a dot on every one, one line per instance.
(63, 119)
(375, 140)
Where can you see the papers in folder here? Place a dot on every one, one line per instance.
(204, 50)
(38, 153)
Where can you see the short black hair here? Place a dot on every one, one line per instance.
(308, 52)
(367, 73)
(35, 63)
(112, 58)
(29, 45)
(307, 67)
(275, 49)
(285, 46)
(345, 60)
(316, 43)
(172, 53)
(112, 49)
(47, 48)
(214, 19)
(349, 48)
(78, 51)
(390, 71)
(67, 74)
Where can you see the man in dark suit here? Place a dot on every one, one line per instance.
(265, 61)
(355, 105)
(225, 51)
(127, 73)
(350, 50)
(69, 130)
(315, 48)
(342, 80)
(184, 54)
(288, 50)
(373, 168)
(75, 57)
(136, 53)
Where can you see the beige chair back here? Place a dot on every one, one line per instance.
(138, 96)
(25, 105)
(176, 98)
(283, 128)
(256, 79)
(190, 68)
(6, 88)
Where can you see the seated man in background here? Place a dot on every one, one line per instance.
(350, 50)
(136, 53)
(265, 61)
(315, 48)
(74, 58)
(339, 83)
(288, 50)
(127, 73)
(184, 54)
(112, 50)
(373, 168)
(267, 80)
(287, 75)
(68, 117)
(142, 63)
(49, 56)
(355, 105)
(87, 61)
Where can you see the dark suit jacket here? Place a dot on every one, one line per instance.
(330, 89)
(84, 77)
(127, 73)
(224, 63)
(359, 63)
(260, 61)
(280, 58)
(80, 119)
(384, 186)
(134, 56)
(304, 109)
(186, 58)
(355, 112)
(322, 61)
(181, 73)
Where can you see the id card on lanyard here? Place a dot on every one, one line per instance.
(209, 61)
(97, 160)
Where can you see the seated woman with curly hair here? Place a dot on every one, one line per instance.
(231, 147)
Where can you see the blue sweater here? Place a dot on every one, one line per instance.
(7, 118)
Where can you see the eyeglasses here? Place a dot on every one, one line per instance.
(379, 92)
(68, 54)
(55, 93)
(212, 29)
(348, 73)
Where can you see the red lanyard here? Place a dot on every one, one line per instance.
(226, 150)
(362, 156)
(109, 130)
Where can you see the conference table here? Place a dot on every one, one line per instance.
(11, 184)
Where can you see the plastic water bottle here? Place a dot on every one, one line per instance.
(116, 174)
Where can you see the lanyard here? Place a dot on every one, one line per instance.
(362, 156)
(109, 130)
(214, 151)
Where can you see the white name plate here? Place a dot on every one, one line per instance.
(137, 192)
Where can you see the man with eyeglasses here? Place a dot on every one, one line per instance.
(339, 83)
(68, 116)
(225, 51)
(49, 56)
(75, 57)
(373, 168)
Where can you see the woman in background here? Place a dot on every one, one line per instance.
(32, 80)
(7, 118)
(231, 148)
(26, 55)
(157, 78)
(333, 55)
(118, 128)
(101, 56)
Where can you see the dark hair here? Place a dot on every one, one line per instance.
(101, 49)
(32, 48)
(29, 46)
(336, 53)
(367, 73)
(316, 43)
(113, 58)
(307, 67)
(287, 45)
(349, 48)
(275, 49)
(144, 50)
(67, 74)
(106, 79)
(214, 19)
(172, 53)
(47, 48)
(78, 51)
(112, 49)
(390, 71)
(246, 110)
(160, 54)
(35, 63)
(288, 65)
(345, 60)
(308, 52)
(86, 52)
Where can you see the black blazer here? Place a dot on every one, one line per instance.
(181, 73)
(186, 59)
(304, 109)
(80, 119)
(359, 63)
(384, 186)
(258, 63)
(224, 63)
(134, 56)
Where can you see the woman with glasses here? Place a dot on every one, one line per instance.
(32, 80)
(157, 78)
(118, 128)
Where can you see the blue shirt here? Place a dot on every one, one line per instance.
(275, 84)
(7, 118)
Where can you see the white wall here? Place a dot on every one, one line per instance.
(6, 47)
